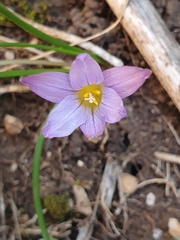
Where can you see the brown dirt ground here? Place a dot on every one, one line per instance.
(136, 137)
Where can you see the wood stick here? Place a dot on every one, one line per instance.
(168, 157)
(154, 41)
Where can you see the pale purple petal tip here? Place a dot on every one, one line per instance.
(52, 86)
(65, 118)
(125, 80)
(94, 126)
(85, 71)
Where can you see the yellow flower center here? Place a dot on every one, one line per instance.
(90, 95)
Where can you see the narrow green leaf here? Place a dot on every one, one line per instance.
(39, 46)
(44, 47)
(19, 73)
(36, 186)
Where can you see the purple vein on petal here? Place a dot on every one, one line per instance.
(125, 80)
(85, 71)
(94, 126)
(65, 118)
(112, 106)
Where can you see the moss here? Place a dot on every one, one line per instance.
(57, 205)
(77, 182)
(35, 13)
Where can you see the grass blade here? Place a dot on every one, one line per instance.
(44, 47)
(19, 73)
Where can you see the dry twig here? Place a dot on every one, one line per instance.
(168, 157)
(123, 205)
(15, 217)
(122, 8)
(13, 88)
(104, 140)
(168, 179)
(157, 181)
(176, 170)
(2, 209)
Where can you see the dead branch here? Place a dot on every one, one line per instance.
(154, 41)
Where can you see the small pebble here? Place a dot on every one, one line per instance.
(150, 199)
(117, 211)
(25, 160)
(66, 166)
(48, 155)
(80, 163)
(157, 233)
(8, 55)
(128, 182)
(13, 167)
(16, 182)
(13, 125)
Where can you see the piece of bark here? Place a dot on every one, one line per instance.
(154, 41)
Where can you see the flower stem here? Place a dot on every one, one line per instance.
(36, 187)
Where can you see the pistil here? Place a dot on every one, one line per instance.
(90, 95)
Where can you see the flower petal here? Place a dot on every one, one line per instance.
(125, 80)
(84, 71)
(65, 118)
(52, 86)
(112, 106)
(94, 126)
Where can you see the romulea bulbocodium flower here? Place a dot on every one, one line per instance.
(87, 97)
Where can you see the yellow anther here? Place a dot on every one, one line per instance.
(86, 95)
(96, 92)
(95, 102)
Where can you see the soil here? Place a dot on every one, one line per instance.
(67, 160)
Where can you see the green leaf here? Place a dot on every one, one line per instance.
(39, 46)
(19, 73)
(44, 47)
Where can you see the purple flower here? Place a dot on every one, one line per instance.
(86, 97)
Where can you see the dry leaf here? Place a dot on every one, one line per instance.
(82, 201)
(174, 227)
(13, 125)
(128, 182)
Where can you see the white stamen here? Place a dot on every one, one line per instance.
(91, 99)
